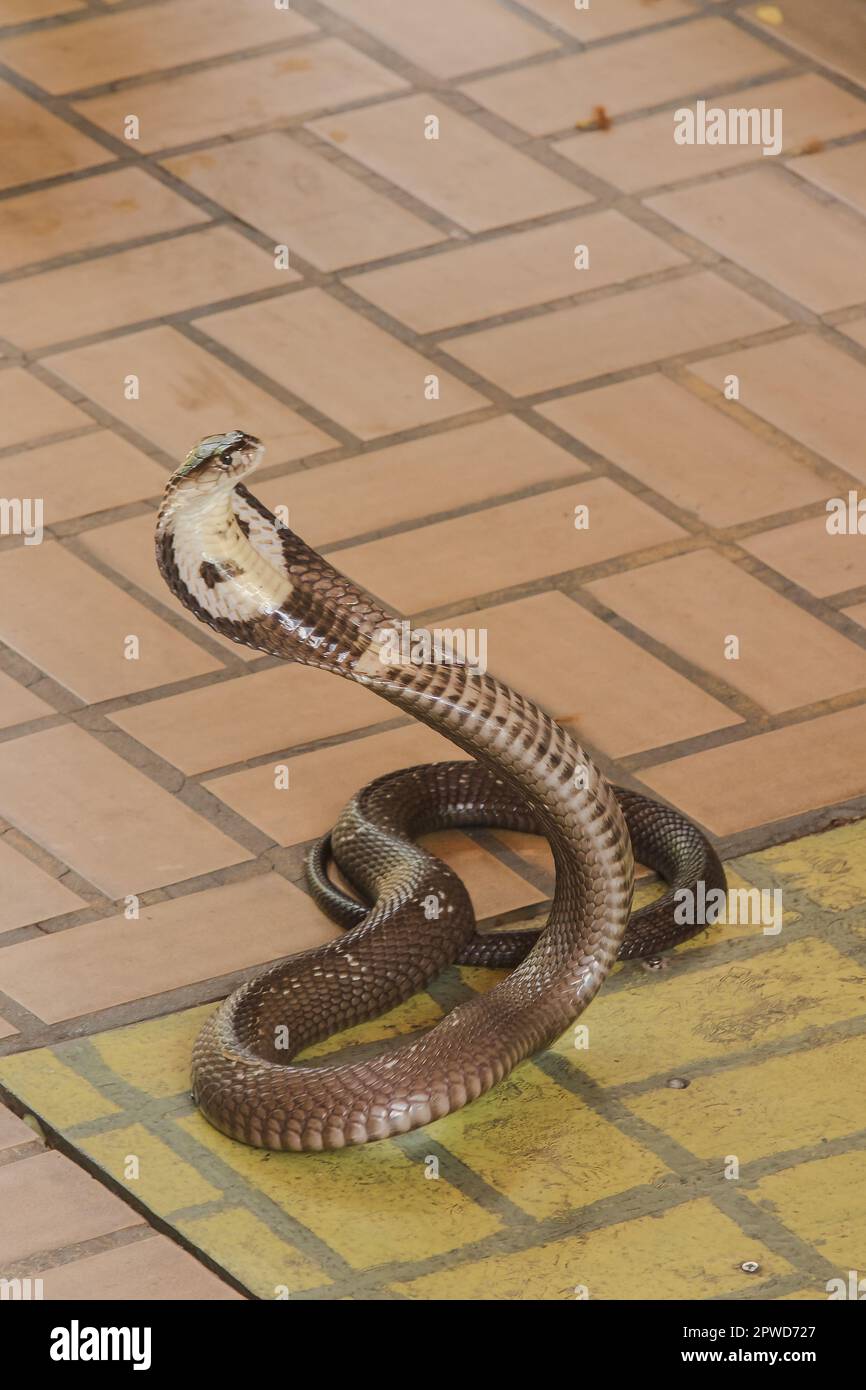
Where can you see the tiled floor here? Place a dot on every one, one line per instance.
(147, 860)
(64, 1235)
(585, 1173)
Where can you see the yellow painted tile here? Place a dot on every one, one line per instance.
(818, 1294)
(692, 1251)
(165, 1181)
(479, 979)
(544, 1148)
(418, 1012)
(769, 1107)
(250, 1250)
(646, 893)
(825, 1203)
(830, 869)
(735, 931)
(724, 1009)
(370, 1204)
(53, 1089)
(154, 1056)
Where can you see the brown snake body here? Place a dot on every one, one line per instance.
(251, 579)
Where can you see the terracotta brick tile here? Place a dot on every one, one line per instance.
(452, 37)
(51, 634)
(30, 410)
(39, 145)
(512, 272)
(805, 552)
(132, 837)
(761, 780)
(858, 613)
(240, 719)
(280, 709)
(693, 603)
(511, 544)
(49, 1202)
(643, 153)
(492, 886)
(841, 172)
(475, 179)
(267, 90)
(835, 35)
(627, 76)
(162, 278)
(87, 213)
(17, 703)
(613, 17)
(13, 1131)
(29, 894)
(174, 943)
(804, 386)
(127, 547)
(6, 1029)
(607, 335)
(185, 393)
(76, 477)
(748, 219)
(341, 363)
(409, 481)
(855, 329)
(111, 47)
(533, 849)
(155, 1270)
(610, 692)
(304, 201)
(20, 11)
(321, 783)
(734, 476)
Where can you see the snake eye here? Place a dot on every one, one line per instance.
(218, 452)
(233, 445)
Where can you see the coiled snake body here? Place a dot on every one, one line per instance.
(238, 570)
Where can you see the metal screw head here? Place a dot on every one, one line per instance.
(678, 1083)
(750, 1267)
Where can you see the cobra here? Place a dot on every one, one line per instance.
(248, 577)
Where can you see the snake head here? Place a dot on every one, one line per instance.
(219, 461)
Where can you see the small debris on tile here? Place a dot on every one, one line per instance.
(599, 120)
(812, 147)
(654, 963)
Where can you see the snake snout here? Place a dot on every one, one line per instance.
(235, 453)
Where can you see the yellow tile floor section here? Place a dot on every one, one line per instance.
(585, 1174)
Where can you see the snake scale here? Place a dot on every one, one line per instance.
(229, 560)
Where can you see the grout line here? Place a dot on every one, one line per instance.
(501, 403)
